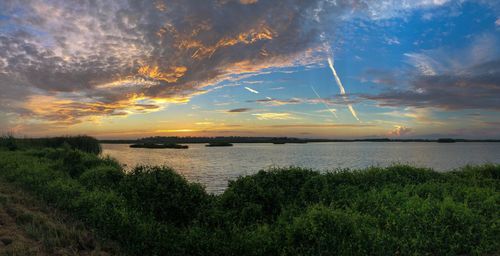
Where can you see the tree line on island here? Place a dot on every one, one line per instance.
(173, 141)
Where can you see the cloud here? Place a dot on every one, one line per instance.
(468, 80)
(104, 53)
(251, 90)
(275, 116)
(477, 87)
(380, 76)
(424, 116)
(278, 102)
(400, 130)
(177, 131)
(497, 22)
(329, 110)
(239, 110)
(321, 126)
(386, 9)
(204, 123)
(425, 64)
(333, 100)
(392, 40)
(277, 88)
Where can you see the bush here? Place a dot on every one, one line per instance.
(163, 194)
(8, 142)
(325, 231)
(75, 162)
(83, 143)
(262, 196)
(102, 177)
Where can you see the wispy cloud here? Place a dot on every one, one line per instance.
(425, 64)
(341, 87)
(321, 126)
(176, 131)
(451, 82)
(251, 90)
(278, 102)
(327, 106)
(392, 40)
(204, 123)
(275, 116)
(276, 88)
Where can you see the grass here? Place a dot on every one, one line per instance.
(83, 143)
(292, 211)
(33, 228)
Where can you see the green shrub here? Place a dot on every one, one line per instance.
(83, 143)
(75, 162)
(325, 231)
(163, 194)
(102, 177)
(262, 196)
(8, 142)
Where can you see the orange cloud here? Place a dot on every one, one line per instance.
(170, 76)
(400, 130)
(66, 111)
(248, 1)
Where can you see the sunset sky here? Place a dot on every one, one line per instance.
(129, 69)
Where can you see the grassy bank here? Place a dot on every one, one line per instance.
(29, 227)
(379, 211)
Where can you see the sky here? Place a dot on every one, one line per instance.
(122, 69)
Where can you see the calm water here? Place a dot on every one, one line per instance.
(214, 166)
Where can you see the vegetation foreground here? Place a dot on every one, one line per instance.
(154, 211)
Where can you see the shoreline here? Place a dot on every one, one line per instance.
(304, 141)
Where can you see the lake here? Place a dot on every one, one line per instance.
(214, 166)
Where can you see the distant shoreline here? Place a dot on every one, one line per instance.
(276, 140)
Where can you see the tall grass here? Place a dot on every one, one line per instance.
(292, 211)
(8, 142)
(84, 143)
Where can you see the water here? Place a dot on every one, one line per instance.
(214, 166)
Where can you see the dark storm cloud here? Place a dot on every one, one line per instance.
(477, 87)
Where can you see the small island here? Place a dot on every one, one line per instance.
(219, 144)
(446, 140)
(156, 146)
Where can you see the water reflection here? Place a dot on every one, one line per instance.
(213, 167)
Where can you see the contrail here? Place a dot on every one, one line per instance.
(251, 90)
(341, 87)
(324, 103)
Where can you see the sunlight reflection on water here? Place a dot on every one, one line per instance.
(214, 166)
